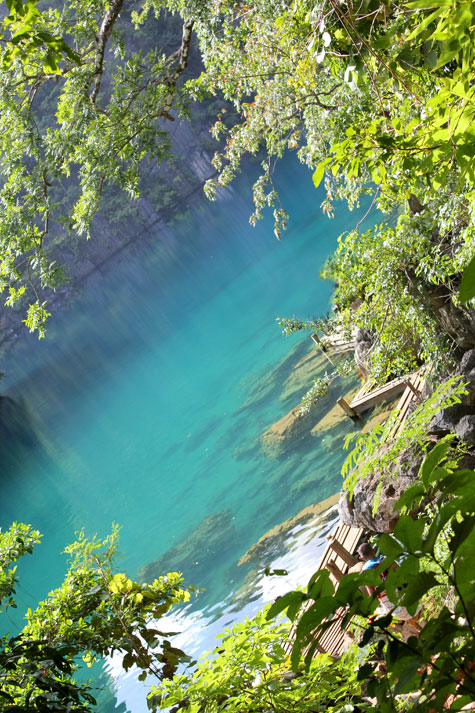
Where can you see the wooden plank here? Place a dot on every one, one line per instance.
(367, 401)
(343, 553)
(346, 407)
(334, 639)
(334, 570)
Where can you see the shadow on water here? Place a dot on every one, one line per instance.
(28, 461)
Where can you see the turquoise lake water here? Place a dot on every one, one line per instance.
(146, 402)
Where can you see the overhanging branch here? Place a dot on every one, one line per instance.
(101, 41)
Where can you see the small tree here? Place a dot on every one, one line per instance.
(95, 613)
(250, 671)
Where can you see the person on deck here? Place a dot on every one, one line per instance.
(372, 561)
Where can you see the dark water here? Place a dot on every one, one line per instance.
(146, 402)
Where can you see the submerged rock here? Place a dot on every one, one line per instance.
(335, 417)
(270, 544)
(311, 366)
(193, 556)
(288, 431)
(267, 384)
(310, 525)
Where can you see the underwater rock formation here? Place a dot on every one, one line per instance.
(270, 544)
(288, 431)
(194, 554)
(311, 366)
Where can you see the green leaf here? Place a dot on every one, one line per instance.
(467, 286)
(450, 50)
(319, 173)
(425, 23)
(283, 603)
(431, 460)
(389, 546)
(381, 43)
(320, 585)
(462, 530)
(418, 585)
(426, 4)
(409, 532)
(412, 495)
(314, 616)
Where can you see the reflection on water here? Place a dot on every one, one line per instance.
(149, 397)
(295, 548)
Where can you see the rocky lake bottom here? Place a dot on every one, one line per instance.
(164, 399)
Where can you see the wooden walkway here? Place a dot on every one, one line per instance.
(339, 555)
(335, 343)
(370, 394)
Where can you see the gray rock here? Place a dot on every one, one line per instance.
(448, 418)
(357, 512)
(466, 369)
(465, 429)
(467, 363)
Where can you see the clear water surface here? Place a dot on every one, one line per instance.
(145, 404)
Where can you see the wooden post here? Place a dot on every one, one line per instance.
(347, 408)
(343, 553)
(318, 343)
(414, 390)
(333, 569)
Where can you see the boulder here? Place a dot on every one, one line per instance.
(447, 419)
(357, 511)
(465, 429)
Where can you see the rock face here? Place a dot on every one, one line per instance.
(447, 419)
(363, 344)
(466, 369)
(357, 512)
(465, 429)
(458, 419)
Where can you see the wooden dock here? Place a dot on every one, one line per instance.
(339, 555)
(335, 343)
(370, 394)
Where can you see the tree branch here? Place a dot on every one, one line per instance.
(101, 41)
(182, 55)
